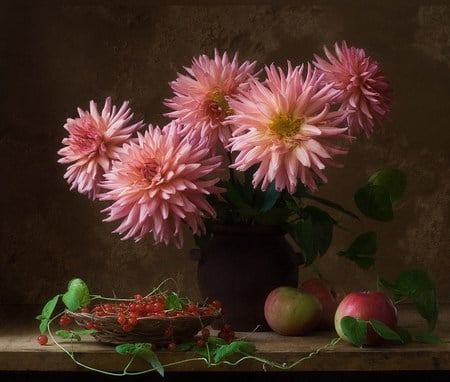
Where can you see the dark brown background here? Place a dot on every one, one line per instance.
(57, 55)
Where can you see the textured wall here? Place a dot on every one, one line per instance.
(57, 55)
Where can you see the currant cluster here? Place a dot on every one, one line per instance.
(127, 313)
(225, 332)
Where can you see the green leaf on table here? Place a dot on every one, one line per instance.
(362, 250)
(354, 329)
(374, 202)
(385, 331)
(77, 295)
(427, 338)
(404, 334)
(46, 313)
(144, 351)
(74, 334)
(420, 288)
(393, 180)
(233, 348)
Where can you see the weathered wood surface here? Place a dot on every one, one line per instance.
(19, 350)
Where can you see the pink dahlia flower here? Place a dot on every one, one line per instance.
(365, 90)
(94, 140)
(285, 126)
(160, 182)
(201, 97)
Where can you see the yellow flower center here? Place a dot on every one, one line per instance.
(286, 126)
(218, 106)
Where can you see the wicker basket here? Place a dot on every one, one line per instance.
(147, 329)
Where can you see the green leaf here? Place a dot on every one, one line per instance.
(66, 334)
(144, 351)
(176, 302)
(125, 349)
(74, 334)
(404, 334)
(362, 250)
(416, 285)
(216, 341)
(354, 329)
(385, 331)
(233, 348)
(374, 202)
(427, 338)
(77, 295)
(46, 313)
(393, 180)
(270, 197)
(313, 234)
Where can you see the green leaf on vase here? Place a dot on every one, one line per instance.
(313, 234)
(362, 250)
(354, 329)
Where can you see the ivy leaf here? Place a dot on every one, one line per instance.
(233, 348)
(393, 180)
(354, 329)
(46, 313)
(77, 295)
(144, 351)
(374, 202)
(385, 331)
(420, 288)
(362, 250)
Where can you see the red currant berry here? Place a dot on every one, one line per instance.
(168, 332)
(89, 325)
(205, 333)
(200, 342)
(216, 304)
(42, 339)
(172, 346)
(121, 319)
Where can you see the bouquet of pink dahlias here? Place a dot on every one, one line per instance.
(243, 146)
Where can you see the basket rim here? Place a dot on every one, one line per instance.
(108, 317)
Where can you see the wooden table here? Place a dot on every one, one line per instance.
(19, 351)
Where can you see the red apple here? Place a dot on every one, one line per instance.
(292, 312)
(366, 306)
(322, 290)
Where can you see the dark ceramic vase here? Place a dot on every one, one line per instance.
(240, 266)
